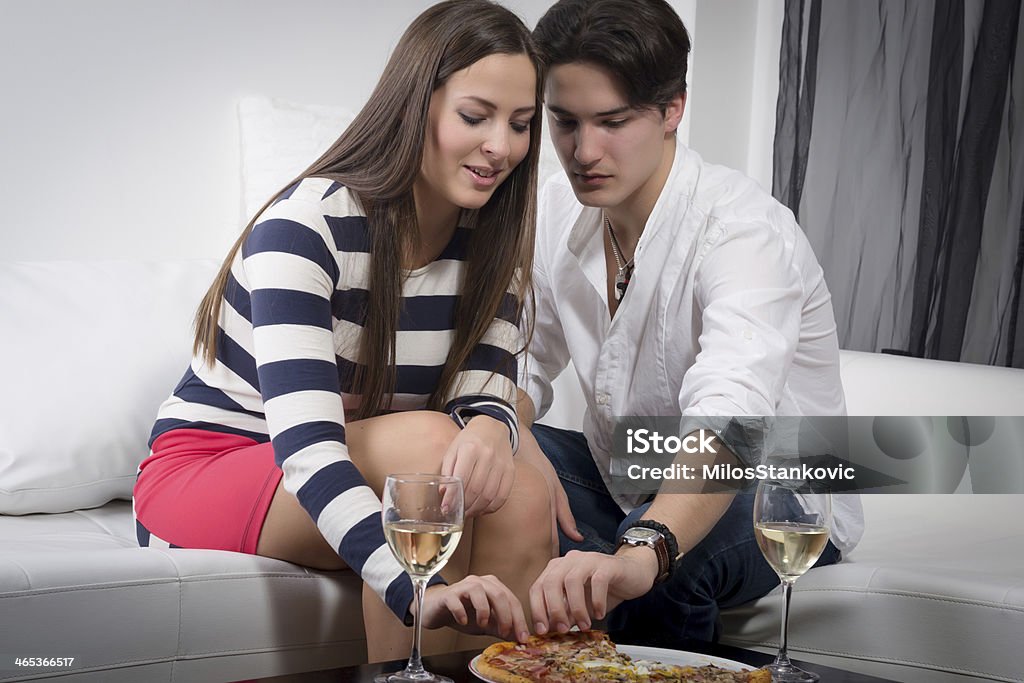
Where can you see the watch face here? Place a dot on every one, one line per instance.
(642, 534)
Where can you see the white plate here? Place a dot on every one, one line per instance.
(655, 654)
(680, 658)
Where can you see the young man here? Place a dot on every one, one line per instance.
(676, 288)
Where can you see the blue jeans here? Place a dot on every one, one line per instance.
(724, 570)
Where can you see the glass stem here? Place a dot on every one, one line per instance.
(415, 665)
(782, 659)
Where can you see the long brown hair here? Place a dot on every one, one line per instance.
(379, 157)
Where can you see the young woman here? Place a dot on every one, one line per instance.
(387, 279)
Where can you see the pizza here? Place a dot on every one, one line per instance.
(591, 657)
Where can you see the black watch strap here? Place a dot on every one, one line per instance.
(670, 541)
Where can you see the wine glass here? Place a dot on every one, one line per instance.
(423, 524)
(791, 525)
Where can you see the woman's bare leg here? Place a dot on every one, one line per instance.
(514, 542)
(290, 534)
(413, 441)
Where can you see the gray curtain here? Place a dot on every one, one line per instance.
(899, 145)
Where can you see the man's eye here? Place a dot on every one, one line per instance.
(615, 123)
(565, 123)
(472, 121)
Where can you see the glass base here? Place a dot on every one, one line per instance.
(407, 677)
(787, 673)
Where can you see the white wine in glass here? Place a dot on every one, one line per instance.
(422, 548)
(792, 529)
(423, 515)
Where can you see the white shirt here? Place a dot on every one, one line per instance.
(727, 314)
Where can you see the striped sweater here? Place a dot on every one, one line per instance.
(287, 346)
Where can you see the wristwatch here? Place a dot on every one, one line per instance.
(656, 536)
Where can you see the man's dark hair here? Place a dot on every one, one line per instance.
(642, 43)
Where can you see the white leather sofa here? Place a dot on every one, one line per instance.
(89, 350)
(935, 591)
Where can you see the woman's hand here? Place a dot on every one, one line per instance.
(476, 605)
(481, 455)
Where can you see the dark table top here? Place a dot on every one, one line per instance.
(456, 667)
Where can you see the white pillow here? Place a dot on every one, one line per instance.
(280, 139)
(89, 352)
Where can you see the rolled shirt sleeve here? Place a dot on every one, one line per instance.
(750, 295)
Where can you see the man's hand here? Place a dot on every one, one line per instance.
(481, 455)
(583, 586)
(476, 605)
(561, 513)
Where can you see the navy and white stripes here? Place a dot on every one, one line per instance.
(290, 329)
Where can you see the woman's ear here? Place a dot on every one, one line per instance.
(674, 112)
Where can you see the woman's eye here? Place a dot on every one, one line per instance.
(472, 121)
(520, 127)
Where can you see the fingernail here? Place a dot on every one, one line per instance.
(540, 628)
(523, 636)
(561, 628)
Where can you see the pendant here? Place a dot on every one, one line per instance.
(621, 282)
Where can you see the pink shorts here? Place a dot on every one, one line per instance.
(203, 489)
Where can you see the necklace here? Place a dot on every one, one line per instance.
(625, 269)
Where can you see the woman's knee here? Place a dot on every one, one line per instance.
(412, 441)
(426, 436)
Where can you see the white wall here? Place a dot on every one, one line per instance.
(119, 134)
(736, 82)
(119, 127)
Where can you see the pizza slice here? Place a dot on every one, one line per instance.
(554, 658)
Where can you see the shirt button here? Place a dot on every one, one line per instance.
(748, 335)
(602, 398)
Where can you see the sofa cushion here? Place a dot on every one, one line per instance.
(882, 384)
(78, 585)
(280, 139)
(92, 350)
